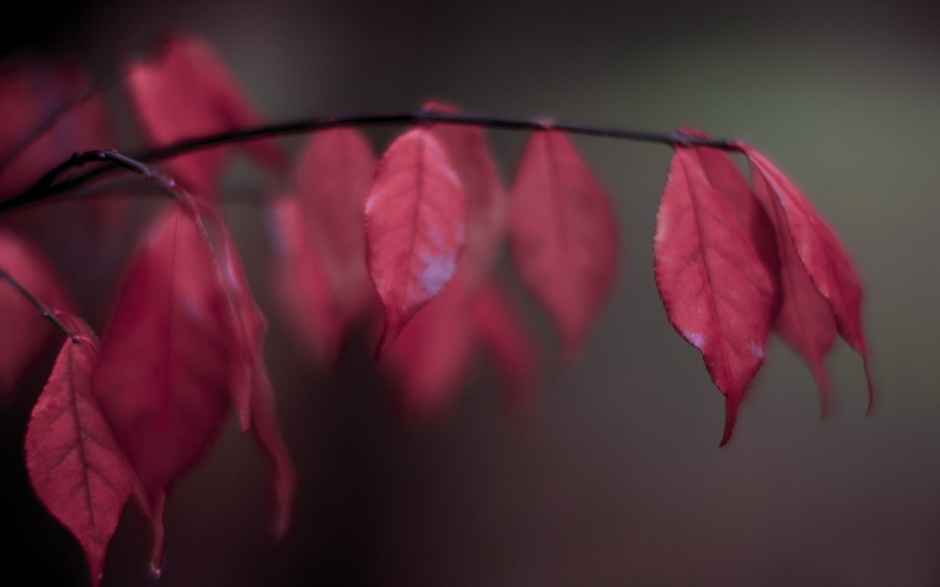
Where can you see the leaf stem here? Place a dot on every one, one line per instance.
(47, 187)
(46, 312)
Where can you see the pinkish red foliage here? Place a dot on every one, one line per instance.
(415, 220)
(75, 465)
(415, 235)
(564, 236)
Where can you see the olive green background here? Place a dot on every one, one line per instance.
(618, 479)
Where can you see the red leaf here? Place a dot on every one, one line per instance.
(185, 92)
(717, 293)
(303, 286)
(253, 385)
(564, 236)
(415, 215)
(333, 177)
(48, 116)
(166, 361)
(726, 179)
(267, 432)
(501, 331)
(26, 330)
(249, 323)
(824, 260)
(74, 463)
(433, 353)
(487, 204)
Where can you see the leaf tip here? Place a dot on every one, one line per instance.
(731, 417)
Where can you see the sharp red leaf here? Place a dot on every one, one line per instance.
(823, 258)
(74, 463)
(415, 216)
(185, 91)
(563, 234)
(717, 292)
(26, 330)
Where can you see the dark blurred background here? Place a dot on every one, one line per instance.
(617, 480)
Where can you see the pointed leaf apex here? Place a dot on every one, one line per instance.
(731, 417)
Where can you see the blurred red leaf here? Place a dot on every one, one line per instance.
(433, 353)
(307, 300)
(503, 334)
(185, 91)
(251, 389)
(717, 292)
(74, 463)
(26, 331)
(166, 363)
(415, 216)
(564, 235)
(815, 245)
(333, 175)
(51, 113)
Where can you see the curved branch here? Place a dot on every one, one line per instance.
(47, 186)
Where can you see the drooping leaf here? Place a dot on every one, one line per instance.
(253, 385)
(333, 176)
(499, 329)
(166, 364)
(74, 463)
(563, 234)
(433, 353)
(824, 260)
(185, 91)
(415, 216)
(805, 319)
(716, 291)
(725, 177)
(153, 505)
(26, 331)
(267, 433)
(303, 286)
(487, 204)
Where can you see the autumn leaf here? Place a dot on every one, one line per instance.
(75, 465)
(334, 172)
(165, 369)
(27, 332)
(433, 353)
(251, 388)
(302, 283)
(717, 292)
(487, 202)
(415, 215)
(812, 243)
(185, 91)
(499, 330)
(563, 234)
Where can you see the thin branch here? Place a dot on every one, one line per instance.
(46, 186)
(46, 312)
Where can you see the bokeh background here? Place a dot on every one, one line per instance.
(618, 479)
